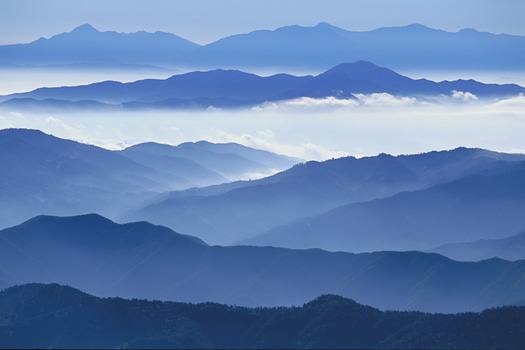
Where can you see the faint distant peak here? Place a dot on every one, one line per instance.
(410, 28)
(355, 66)
(325, 25)
(417, 26)
(85, 28)
(469, 31)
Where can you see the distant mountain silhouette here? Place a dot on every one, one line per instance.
(228, 88)
(42, 174)
(55, 316)
(292, 47)
(228, 213)
(470, 208)
(141, 260)
(50, 104)
(85, 44)
(366, 77)
(511, 248)
(323, 46)
(214, 87)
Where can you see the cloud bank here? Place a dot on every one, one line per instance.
(463, 96)
(313, 129)
(367, 100)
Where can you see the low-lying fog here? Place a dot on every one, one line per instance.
(306, 128)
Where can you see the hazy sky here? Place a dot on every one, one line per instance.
(204, 21)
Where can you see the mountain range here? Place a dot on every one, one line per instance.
(230, 88)
(438, 232)
(55, 316)
(408, 202)
(86, 46)
(42, 174)
(244, 212)
(292, 47)
(470, 208)
(141, 260)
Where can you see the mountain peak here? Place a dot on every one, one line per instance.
(355, 66)
(85, 28)
(468, 31)
(417, 26)
(325, 25)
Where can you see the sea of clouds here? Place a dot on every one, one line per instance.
(310, 129)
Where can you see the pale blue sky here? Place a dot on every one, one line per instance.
(204, 21)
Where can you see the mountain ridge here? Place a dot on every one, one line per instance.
(509, 248)
(141, 260)
(85, 44)
(261, 204)
(477, 206)
(234, 88)
(299, 48)
(47, 316)
(43, 174)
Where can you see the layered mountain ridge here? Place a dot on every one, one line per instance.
(232, 88)
(243, 212)
(42, 174)
(292, 47)
(141, 260)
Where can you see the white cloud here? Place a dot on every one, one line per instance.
(267, 134)
(61, 127)
(463, 96)
(15, 114)
(516, 101)
(258, 175)
(384, 100)
(307, 151)
(374, 100)
(266, 106)
(308, 102)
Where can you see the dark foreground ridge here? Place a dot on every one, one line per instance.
(55, 316)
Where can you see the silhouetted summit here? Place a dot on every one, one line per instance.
(85, 29)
